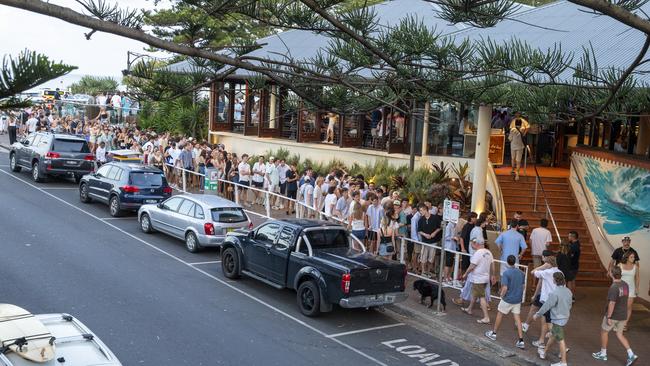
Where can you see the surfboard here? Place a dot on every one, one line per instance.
(17, 323)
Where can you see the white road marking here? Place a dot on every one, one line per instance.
(215, 278)
(48, 188)
(364, 330)
(199, 263)
(117, 218)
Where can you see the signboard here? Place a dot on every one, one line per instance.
(211, 179)
(497, 145)
(451, 211)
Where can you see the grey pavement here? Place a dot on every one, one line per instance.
(153, 303)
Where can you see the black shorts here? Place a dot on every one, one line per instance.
(283, 187)
(539, 304)
(571, 275)
(244, 183)
(292, 194)
(449, 259)
(258, 184)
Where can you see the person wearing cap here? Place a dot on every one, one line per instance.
(620, 252)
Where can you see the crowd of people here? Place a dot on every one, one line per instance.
(380, 218)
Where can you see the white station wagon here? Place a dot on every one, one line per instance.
(202, 220)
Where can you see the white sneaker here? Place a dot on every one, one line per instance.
(524, 327)
(538, 344)
(490, 334)
(520, 344)
(541, 353)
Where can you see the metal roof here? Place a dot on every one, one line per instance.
(572, 27)
(561, 23)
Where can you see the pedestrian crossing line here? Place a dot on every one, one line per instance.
(199, 263)
(364, 330)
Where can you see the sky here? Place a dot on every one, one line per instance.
(103, 55)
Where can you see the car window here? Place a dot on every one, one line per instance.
(30, 139)
(35, 140)
(172, 203)
(187, 208)
(228, 214)
(115, 173)
(146, 179)
(267, 233)
(43, 142)
(286, 238)
(198, 212)
(70, 146)
(103, 171)
(320, 239)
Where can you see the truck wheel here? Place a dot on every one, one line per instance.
(309, 298)
(13, 164)
(230, 263)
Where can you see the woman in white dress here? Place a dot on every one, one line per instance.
(630, 274)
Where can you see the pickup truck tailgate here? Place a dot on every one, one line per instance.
(377, 280)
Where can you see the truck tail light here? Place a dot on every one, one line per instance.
(167, 190)
(130, 189)
(89, 157)
(345, 283)
(208, 228)
(52, 155)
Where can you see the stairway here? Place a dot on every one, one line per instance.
(520, 196)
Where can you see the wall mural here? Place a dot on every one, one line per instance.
(620, 195)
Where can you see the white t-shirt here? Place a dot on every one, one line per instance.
(31, 124)
(274, 175)
(548, 285)
(174, 154)
(476, 233)
(482, 259)
(116, 101)
(259, 177)
(244, 172)
(539, 237)
(318, 197)
(330, 202)
(101, 100)
(100, 154)
(307, 194)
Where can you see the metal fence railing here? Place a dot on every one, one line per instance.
(187, 181)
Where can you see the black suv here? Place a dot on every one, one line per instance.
(124, 186)
(51, 154)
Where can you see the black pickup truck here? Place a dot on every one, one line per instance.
(317, 259)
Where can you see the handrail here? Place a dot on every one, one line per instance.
(500, 207)
(548, 207)
(591, 208)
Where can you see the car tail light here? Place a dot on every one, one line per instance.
(167, 190)
(130, 189)
(52, 155)
(208, 228)
(250, 225)
(89, 157)
(345, 283)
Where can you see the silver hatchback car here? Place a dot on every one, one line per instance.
(201, 220)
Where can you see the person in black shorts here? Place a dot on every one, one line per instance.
(292, 188)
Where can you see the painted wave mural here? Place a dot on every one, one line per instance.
(620, 195)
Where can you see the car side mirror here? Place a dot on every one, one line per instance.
(25, 142)
(161, 206)
(251, 234)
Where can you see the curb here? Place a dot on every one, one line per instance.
(469, 341)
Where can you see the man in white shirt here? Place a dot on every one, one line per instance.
(244, 170)
(479, 273)
(477, 233)
(330, 201)
(100, 153)
(273, 178)
(307, 192)
(174, 153)
(259, 171)
(544, 287)
(31, 124)
(283, 168)
(101, 99)
(540, 239)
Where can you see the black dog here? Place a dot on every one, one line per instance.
(428, 289)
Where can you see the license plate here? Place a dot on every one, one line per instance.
(390, 298)
(230, 229)
(70, 162)
(150, 201)
(378, 297)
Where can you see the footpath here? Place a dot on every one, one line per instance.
(582, 331)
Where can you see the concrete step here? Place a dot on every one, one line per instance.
(561, 199)
(530, 179)
(540, 195)
(510, 185)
